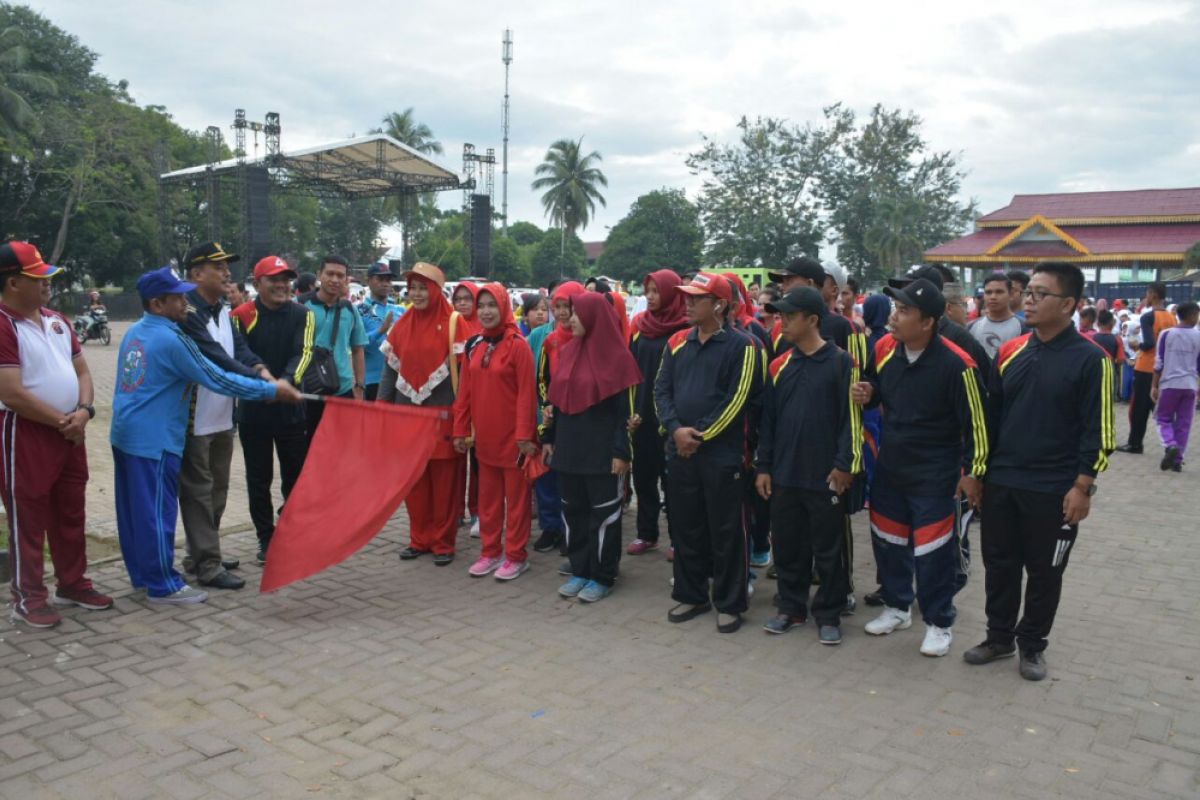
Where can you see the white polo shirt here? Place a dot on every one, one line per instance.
(45, 355)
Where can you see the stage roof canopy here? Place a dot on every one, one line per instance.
(363, 167)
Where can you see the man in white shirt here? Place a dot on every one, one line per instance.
(208, 451)
(45, 405)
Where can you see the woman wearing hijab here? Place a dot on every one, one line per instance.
(587, 440)
(664, 315)
(463, 299)
(422, 355)
(497, 407)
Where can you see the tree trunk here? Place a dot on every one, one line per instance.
(60, 241)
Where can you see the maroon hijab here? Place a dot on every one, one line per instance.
(671, 315)
(598, 365)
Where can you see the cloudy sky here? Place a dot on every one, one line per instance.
(1037, 96)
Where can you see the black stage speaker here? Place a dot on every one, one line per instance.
(258, 214)
(481, 235)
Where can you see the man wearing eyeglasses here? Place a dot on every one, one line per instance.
(1050, 400)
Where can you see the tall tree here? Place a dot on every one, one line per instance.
(661, 231)
(16, 81)
(758, 201)
(885, 185)
(572, 184)
(413, 216)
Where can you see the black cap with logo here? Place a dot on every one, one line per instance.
(922, 295)
(802, 267)
(804, 299)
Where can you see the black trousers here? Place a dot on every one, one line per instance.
(1023, 533)
(313, 411)
(591, 507)
(757, 514)
(371, 392)
(709, 534)
(649, 474)
(260, 445)
(811, 533)
(1140, 407)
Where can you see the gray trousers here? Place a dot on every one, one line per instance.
(203, 490)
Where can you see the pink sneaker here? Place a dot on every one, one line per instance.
(510, 570)
(483, 566)
(639, 546)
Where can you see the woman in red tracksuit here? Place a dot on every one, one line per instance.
(423, 352)
(497, 405)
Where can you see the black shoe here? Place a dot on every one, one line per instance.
(728, 623)
(565, 568)
(850, 607)
(1131, 449)
(261, 556)
(875, 598)
(224, 580)
(686, 611)
(782, 623)
(546, 542)
(1170, 458)
(442, 559)
(829, 634)
(232, 563)
(987, 652)
(1033, 665)
(190, 568)
(409, 553)
(771, 573)
(1177, 467)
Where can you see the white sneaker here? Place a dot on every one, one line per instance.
(937, 641)
(185, 596)
(891, 619)
(475, 529)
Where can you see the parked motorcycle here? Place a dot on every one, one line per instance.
(93, 326)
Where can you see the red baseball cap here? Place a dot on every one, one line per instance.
(25, 258)
(709, 283)
(272, 265)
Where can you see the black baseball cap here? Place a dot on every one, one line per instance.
(922, 295)
(802, 267)
(379, 268)
(804, 299)
(931, 274)
(208, 251)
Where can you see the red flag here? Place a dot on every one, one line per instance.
(363, 462)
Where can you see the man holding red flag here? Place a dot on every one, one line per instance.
(497, 406)
(422, 354)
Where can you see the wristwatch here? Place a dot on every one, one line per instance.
(360, 386)
(1090, 491)
(90, 409)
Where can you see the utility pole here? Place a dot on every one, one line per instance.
(506, 55)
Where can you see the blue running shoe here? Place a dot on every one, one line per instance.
(593, 592)
(573, 587)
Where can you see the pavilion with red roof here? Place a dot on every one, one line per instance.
(1137, 235)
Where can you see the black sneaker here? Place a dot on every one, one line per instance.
(830, 634)
(565, 568)
(1033, 665)
(546, 542)
(874, 598)
(1177, 467)
(409, 553)
(261, 556)
(771, 573)
(1132, 449)
(442, 559)
(782, 623)
(1170, 458)
(224, 580)
(987, 652)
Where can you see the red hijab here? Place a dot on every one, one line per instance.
(419, 343)
(562, 334)
(745, 313)
(472, 322)
(598, 365)
(508, 323)
(671, 315)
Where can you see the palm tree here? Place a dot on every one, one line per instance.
(16, 114)
(404, 128)
(570, 180)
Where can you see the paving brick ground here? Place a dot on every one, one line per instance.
(388, 679)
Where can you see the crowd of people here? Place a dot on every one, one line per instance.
(751, 422)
